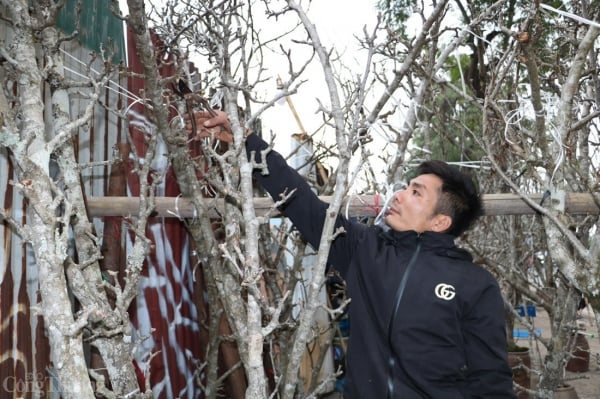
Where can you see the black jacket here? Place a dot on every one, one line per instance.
(446, 340)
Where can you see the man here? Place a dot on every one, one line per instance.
(425, 322)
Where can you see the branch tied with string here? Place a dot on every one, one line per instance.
(196, 102)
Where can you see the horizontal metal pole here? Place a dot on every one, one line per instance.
(356, 205)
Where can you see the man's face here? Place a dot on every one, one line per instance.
(414, 207)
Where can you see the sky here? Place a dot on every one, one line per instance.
(337, 22)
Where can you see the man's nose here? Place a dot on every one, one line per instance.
(399, 195)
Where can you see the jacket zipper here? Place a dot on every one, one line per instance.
(397, 301)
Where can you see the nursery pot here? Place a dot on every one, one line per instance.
(565, 392)
(519, 360)
(580, 360)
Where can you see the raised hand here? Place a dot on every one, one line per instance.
(213, 124)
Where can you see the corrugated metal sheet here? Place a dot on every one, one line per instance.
(24, 357)
(24, 350)
(170, 306)
(98, 27)
(166, 308)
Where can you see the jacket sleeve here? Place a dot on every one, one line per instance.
(304, 208)
(488, 375)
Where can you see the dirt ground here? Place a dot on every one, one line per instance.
(587, 384)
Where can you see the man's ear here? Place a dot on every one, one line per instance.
(441, 223)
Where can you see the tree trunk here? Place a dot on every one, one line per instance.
(48, 234)
(85, 277)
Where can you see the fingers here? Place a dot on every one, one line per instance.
(217, 132)
(200, 117)
(204, 124)
(204, 118)
(220, 118)
(208, 120)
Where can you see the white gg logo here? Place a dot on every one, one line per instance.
(444, 291)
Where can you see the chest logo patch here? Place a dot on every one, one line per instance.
(444, 291)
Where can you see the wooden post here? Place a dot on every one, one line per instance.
(358, 205)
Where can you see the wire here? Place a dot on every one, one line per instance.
(128, 93)
(571, 15)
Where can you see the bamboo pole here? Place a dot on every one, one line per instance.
(355, 206)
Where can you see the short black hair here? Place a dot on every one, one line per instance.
(459, 197)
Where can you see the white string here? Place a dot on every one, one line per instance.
(462, 77)
(478, 36)
(571, 15)
(141, 122)
(471, 164)
(176, 213)
(126, 93)
(129, 94)
(390, 193)
(131, 105)
(214, 102)
(347, 210)
(380, 218)
(513, 117)
(217, 99)
(555, 135)
(561, 152)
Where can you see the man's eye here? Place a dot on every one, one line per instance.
(400, 186)
(415, 192)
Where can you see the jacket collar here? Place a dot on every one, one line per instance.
(440, 243)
